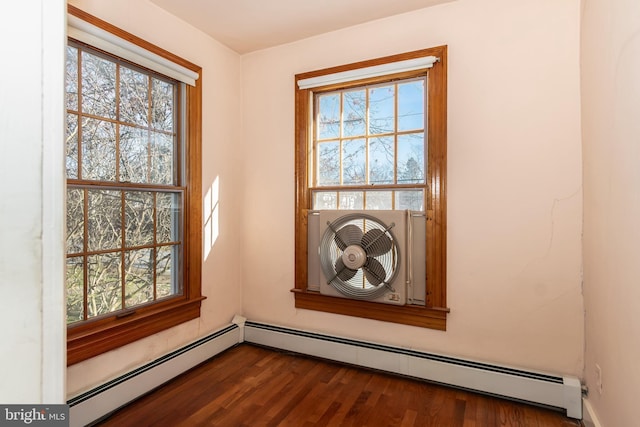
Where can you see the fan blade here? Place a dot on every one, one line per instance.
(376, 242)
(343, 272)
(348, 235)
(374, 271)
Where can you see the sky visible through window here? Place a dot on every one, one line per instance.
(370, 136)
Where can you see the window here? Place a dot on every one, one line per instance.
(133, 193)
(372, 135)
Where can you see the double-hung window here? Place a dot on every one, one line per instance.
(372, 136)
(133, 188)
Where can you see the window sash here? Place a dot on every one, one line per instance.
(396, 135)
(176, 133)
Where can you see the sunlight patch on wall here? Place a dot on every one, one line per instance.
(211, 217)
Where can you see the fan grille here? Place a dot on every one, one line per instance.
(374, 275)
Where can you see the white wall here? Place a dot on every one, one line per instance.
(514, 179)
(32, 355)
(514, 194)
(514, 187)
(611, 144)
(221, 135)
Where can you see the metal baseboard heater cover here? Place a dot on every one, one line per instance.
(561, 392)
(538, 388)
(88, 407)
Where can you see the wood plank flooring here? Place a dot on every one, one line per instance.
(254, 386)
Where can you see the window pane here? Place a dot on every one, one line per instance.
(325, 200)
(72, 146)
(134, 97)
(351, 200)
(411, 100)
(328, 116)
(162, 158)
(104, 220)
(355, 110)
(98, 86)
(134, 154)
(166, 267)
(138, 279)
(410, 199)
(104, 293)
(75, 289)
(138, 212)
(381, 160)
(71, 78)
(379, 200)
(162, 105)
(168, 207)
(381, 109)
(411, 159)
(98, 150)
(353, 162)
(329, 163)
(75, 220)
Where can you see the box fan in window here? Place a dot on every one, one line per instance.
(377, 256)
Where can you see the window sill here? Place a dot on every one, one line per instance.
(425, 317)
(94, 338)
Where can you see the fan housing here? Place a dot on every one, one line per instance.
(366, 255)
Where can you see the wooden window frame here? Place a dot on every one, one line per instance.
(434, 314)
(91, 338)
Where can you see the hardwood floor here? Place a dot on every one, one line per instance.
(254, 386)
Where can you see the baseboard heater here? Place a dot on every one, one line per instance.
(537, 388)
(527, 386)
(88, 407)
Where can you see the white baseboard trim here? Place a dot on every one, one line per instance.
(590, 419)
(562, 392)
(100, 401)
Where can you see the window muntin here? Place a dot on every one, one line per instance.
(373, 135)
(124, 191)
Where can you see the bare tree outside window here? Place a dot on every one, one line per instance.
(372, 136)
(124, 197)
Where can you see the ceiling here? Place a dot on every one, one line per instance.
(249, 25)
